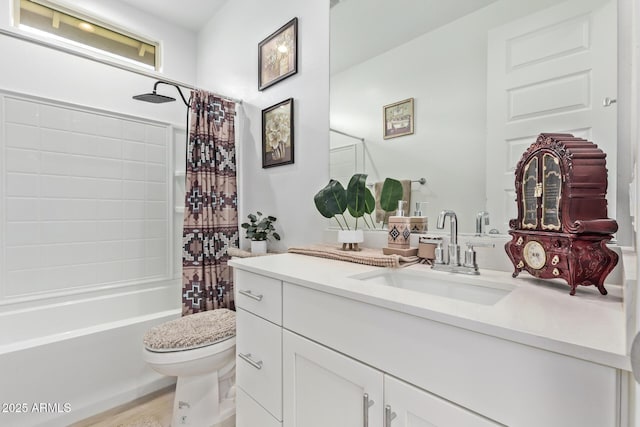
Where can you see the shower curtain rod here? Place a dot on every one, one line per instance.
(346, 134)
(123, 67)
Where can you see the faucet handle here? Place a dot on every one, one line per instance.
(480, 223)
(470, 253)
(479, 244)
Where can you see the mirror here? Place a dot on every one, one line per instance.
(486, 77)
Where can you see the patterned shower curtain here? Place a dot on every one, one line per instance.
(211, 211)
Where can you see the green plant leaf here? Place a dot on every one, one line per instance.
(276, 236)
(369, 202)
(390, 194)
(320, 201)
(356, 193)
(331, 200)
(259, 228)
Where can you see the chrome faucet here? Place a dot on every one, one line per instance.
(453, 263)
(482, 215)
(454, 249)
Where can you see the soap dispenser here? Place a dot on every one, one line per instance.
(418, 222)
(399, 235)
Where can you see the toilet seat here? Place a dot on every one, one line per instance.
(193, 332)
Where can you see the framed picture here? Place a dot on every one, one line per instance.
(278, 55)
(398, 119)
(277, 134)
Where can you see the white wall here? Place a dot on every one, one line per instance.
(632, 9)
(228, 63)
(82, 344)
(448, 83)
(177, 45)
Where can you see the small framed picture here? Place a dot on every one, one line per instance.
(277, 134)
(278, 55)
(398, 119)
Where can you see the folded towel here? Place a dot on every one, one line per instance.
(366, 256)
(383, 216)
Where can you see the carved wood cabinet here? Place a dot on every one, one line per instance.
(562, 226)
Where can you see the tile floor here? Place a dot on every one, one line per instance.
(153, 410)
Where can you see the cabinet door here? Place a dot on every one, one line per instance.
(250, 414)
(408, 406)
(323, 388)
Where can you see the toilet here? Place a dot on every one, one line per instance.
(199, 350)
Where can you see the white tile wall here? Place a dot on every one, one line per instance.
(86, 198)
(179, 155)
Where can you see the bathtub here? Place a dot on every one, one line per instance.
(70, 356)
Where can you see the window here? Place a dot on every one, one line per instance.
(72, 27)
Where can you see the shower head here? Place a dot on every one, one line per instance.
(156, 98)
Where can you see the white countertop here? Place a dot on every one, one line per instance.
(538, 313)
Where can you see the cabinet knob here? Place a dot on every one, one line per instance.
(366, 404)
(247, 358)
(388, 416)
(251, 295)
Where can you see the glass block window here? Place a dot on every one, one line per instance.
(44, 17)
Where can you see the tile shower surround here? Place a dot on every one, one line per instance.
(86, 198)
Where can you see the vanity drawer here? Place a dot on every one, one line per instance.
(259, 295)
(250, 414)
(259, 361)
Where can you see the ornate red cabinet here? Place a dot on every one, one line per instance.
(562, 226)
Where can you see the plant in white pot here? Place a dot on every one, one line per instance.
(334, 199)
(259, 229)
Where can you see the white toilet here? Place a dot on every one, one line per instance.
(200, 350)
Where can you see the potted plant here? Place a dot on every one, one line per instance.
(259, 229)
(333, 200)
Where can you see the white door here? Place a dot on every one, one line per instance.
(323, 388)
(408, 406)
(549, 72)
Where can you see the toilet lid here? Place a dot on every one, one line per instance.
(192, 331)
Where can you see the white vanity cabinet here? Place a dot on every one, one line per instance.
(322, 388)
(348, 361)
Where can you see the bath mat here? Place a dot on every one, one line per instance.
(143, 421)
(366, 256)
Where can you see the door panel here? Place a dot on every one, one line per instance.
(549, 72)
(413, 407)
(324, 388)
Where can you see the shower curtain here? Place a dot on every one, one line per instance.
(211, 211)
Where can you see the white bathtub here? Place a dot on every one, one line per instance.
(69, 357)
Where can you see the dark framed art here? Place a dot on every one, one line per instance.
(398, 119)
(278, 55)
(277, 134)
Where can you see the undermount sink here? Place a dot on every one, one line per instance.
(464, 288)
